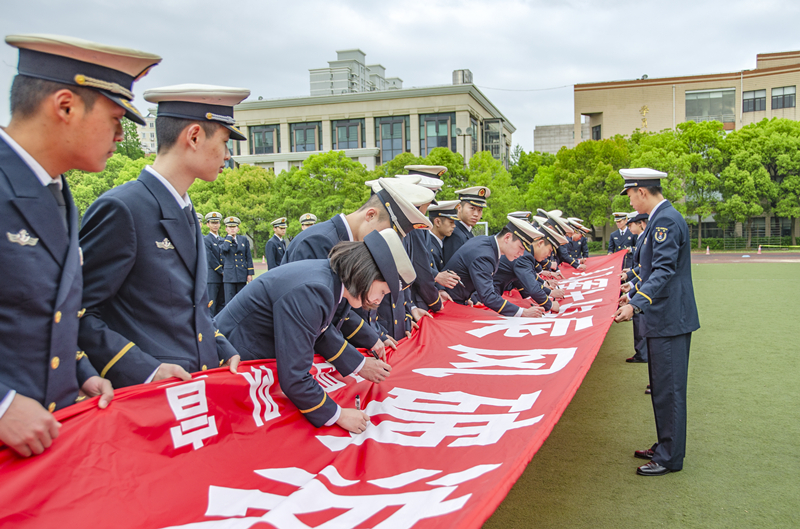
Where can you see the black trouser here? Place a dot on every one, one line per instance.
(668, 367)
(216, 295)
(231, 289)
(639, 341)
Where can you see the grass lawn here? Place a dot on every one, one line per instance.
(742, 467)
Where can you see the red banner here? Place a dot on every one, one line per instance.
(471, 398)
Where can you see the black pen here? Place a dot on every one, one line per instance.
(373, 353)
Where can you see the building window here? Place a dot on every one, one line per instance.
(783, 97)
(144, 135)
(596, 134)
(152, 124)
(152, 135)
(711, 105)
(306, 137)
(348, 134)
(474, 123)
(780, 227)
(265, 139)
(392, 136)
(492, 137)
(437, 130)
(754, 100)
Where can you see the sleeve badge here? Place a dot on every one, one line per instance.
(660, 234)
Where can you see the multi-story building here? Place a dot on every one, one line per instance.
(551, 138)
(349, 73)
(371, 126)
(147, 133)
(735, 99)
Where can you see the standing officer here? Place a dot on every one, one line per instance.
(216, 293)
(145, 288)
(307, 220)
(637, 222)
(665, 299)
(470, 210)
(276, 246)
(477, 261)
(622, 238)
(65, 114)
(237, 259)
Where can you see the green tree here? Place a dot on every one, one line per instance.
(527, 167)
(759, 158)
(131, 145)
(584, 181)
(86, 187)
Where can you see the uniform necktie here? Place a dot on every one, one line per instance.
(192, 218)
(62, 205)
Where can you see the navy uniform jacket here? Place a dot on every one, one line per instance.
(145, 287)
(451, 244)
(334, 344)
(520, 274)
(280, 315)
(563, 256)
(618, 242)
(237, 259)
(578, 249)
(42, 282)
(423, 291)
(274, 250)
(666, 294)
(437, 253)
(476, 263)
(214, 259)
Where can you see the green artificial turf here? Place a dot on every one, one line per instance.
(742, 466)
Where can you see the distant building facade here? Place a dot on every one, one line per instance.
(735, 99)
(371, 125)
(147, 133)
(551, 138)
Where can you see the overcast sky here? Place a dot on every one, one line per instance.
(269, 46)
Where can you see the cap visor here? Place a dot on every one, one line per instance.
(131, 112)
(236, 134)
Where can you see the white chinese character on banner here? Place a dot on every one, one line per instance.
(430, 418)
(503, 362)
(190, 407)
(314, 495)
(261, 381)
(522, 327)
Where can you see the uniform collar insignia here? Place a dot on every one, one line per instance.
(165, 244)
(22, 238)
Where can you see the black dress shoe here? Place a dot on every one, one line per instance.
(648, 392)
(652, 469)
(635, 360)
(645, 454)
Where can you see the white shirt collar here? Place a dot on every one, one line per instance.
(346, 225)
(183, 201)
(469, 228)
(437, 239)
(623, 230)
(277, 237)
(498, 248)
(31, 162)
(653, 212)
(341, 294)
